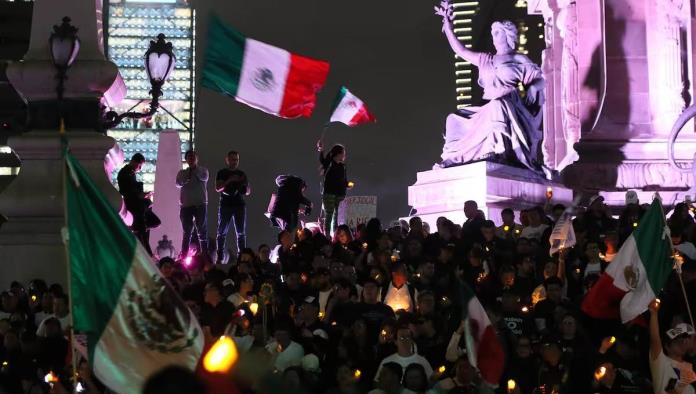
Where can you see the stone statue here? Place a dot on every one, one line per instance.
(508, 127)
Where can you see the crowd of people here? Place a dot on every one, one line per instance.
(378, 310)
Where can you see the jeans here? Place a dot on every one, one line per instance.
(225, 215)
(330, 203)
(190, 216)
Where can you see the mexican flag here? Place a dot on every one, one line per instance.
(637, 273)
(483, 347)
(350, 110)
(260, 75)
(134, 321)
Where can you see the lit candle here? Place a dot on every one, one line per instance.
(506, 228)
(600, 372)
(51, 377)
(511, 385)
(612, 340)
(321, 315)
(254, 307)
(441, 370)
(635, 224)
(357, 374)
(351, 184)
(221, 356)
(525, 309)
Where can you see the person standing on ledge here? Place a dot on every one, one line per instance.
(193, 197)
(136, 200)
(333, 169)
(233, 185)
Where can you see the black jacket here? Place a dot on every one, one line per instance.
(289, 197)
(335, 177)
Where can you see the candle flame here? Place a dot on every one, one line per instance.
(221, 356)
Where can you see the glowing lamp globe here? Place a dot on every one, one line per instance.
(64, 44)
(159, 60)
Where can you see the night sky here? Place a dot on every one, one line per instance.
(390, 53)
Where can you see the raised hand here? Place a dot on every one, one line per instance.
(320, 145)
(445, 10)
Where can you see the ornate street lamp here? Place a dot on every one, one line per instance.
(159, 64)
(64, 45)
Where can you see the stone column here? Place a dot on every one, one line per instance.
(30, 241)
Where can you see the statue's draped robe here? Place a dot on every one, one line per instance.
(503, 126)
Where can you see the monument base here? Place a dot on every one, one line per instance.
(493, 186)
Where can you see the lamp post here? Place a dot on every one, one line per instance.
(64, 45)
(159, 64)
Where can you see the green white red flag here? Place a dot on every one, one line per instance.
(637, 273)
(349, 109)
(260, 75)
(484, 349)
(134, 321)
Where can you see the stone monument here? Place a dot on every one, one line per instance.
(30, 241)
(493, 153)
(611, 100)
(623, 87)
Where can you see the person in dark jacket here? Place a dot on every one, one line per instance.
(284, 209)
(136, 200)
(335, 184)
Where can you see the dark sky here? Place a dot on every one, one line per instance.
(390, 53)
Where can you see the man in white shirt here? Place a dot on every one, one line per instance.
(536, 228)
(399, 295)
(286, 352)
(405, 354)
(60, 312)
(193, 198)
(670, 373)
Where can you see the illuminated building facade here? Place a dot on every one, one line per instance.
(131, 25)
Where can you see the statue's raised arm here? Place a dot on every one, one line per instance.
(446, 11)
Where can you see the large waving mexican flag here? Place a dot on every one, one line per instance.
(135, 322)
(260, 75)
(637, 273)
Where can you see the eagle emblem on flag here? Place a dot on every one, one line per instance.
(264, 80)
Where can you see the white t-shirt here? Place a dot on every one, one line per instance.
(399, 298)
(593, 268)
(664, 368)
(405, 362)
(236, 299)
(289, 357)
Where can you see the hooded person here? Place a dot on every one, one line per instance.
(285, 203)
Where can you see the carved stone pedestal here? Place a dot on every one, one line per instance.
(493, 186)
(30, 241)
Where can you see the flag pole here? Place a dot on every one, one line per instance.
(65, 235)
(683, 289)
(677, 263)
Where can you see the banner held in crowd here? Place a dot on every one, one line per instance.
(134, 320)
(349, 109)
(260, 75)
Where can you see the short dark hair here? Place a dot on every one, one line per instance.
(174, 380)
(189, 152)
(233, 152)
(63, 297)
(488, 224)
(138, 158)
(554, 280)
(395, 369)
(507, 211)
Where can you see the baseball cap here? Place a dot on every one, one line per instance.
(632, 197)
(679, 330)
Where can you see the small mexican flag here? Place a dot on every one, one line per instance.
(260, 75)
(135, 322)
(350, 110)
(637, 273)
(483, 347)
